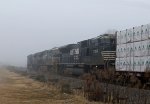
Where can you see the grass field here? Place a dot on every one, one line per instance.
(17, 89)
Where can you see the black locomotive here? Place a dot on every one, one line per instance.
(78, 58)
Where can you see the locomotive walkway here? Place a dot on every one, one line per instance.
(17, 89)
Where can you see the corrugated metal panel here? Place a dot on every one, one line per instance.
(136, 56)
(129, 63)
(129, 50)
(123, 38)
(144, 32)
(117, 65)
(137, 48)
(145, 47)
(144, 64)
(137, 64)
(129, 35)
(137, 33)
(122, 64)
(118, 37)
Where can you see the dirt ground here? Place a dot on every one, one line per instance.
(17, 89)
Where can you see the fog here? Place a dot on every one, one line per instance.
(30, 26)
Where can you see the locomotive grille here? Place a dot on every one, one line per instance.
(109, 55)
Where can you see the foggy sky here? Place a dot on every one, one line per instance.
(29, 26)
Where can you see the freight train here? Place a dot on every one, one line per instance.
(76, 58)
(125, 54)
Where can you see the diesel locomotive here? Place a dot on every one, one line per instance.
(76, 59)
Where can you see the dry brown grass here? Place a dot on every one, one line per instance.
(17, 89)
